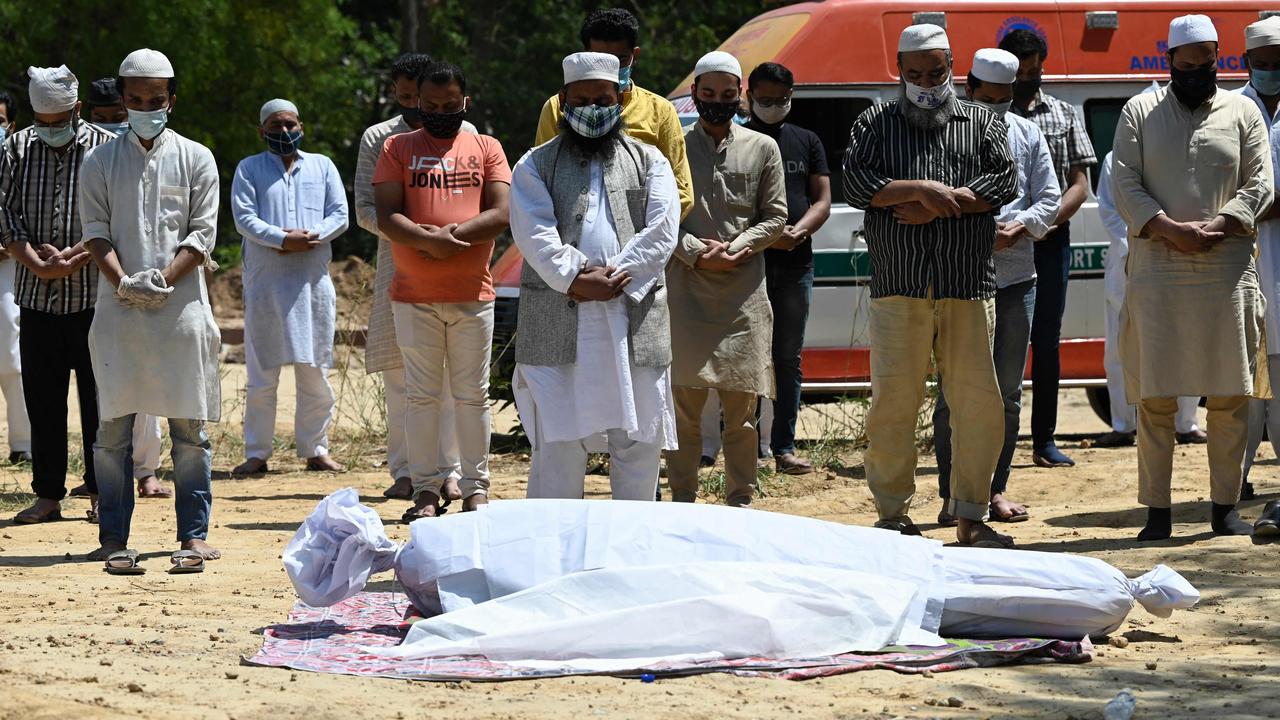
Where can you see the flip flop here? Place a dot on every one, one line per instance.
(946, 519)
(186, 562)
(163, 493)
(1016, 517)
(23, 518)
(123, 562)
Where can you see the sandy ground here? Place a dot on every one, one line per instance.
(78, 643)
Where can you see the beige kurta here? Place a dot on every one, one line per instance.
(721, 321)
(1191, 324)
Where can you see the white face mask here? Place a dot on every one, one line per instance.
(998, 108)
(771, 115)
(929, 98)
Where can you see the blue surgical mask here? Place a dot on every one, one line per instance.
(147, 124)
(1000, 109)
(56, 137)
(4, 132)
(116, 129)
(1266, 82)
(624, 77)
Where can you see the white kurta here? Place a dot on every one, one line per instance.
(1269, 235)
(148, 205)
(602, 390)
(10, 361)
(289, 301)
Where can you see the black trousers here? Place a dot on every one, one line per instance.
(51, 347)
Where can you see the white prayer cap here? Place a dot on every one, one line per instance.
(717, 61)
(590, 66)
(995, 66)
(271, 107)
(918, 38)
(1262, 33)
(52, 90)
(1191, 29)
(146, 63)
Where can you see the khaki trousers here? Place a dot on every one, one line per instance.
(1228, 429)
(906, 333)
(739, 438)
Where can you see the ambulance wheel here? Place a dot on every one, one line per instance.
(1100, 401)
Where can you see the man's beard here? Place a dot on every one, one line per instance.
(591, 146)
(922, 119)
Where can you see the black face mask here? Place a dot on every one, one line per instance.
(1193, 87)
(443, 125)
(716, 113)
(411, 115)
(1025, 90)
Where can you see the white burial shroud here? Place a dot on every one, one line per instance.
(671, 580)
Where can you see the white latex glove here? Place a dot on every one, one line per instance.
(146, 290)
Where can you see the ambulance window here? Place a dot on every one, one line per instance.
(1100, 118)
(831, 119)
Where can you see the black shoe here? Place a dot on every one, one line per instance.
(1268, 525)
(1247, 492)
(899, 526)
(1195, 437)
(706, 461)
(1115, 439)
(16, 458)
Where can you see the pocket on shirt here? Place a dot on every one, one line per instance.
(1057, 142)
(638, 205)
(740, 189)
(175, 200)
(313, 196)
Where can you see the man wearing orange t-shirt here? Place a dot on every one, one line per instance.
(441, 197)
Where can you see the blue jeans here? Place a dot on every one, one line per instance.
(1053, 264)
(790, 291)
(1015, 306)
(192, 464)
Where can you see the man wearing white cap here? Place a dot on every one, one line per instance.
(1192, 176)
(1262, 56)
(931, 172)
(593, 344)
(721, 320)
(149, 205)
(1025, 220)
(289, 206)
(382, 351)
(40, 178)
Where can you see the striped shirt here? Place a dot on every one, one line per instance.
(949, 257)
(1064, 130)
(39, 204)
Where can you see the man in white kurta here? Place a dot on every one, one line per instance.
(289, 206)
(1192, 175)
(604, 390)
(149, 211)
(18, 427)
(1124, 414)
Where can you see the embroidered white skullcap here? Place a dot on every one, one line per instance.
(996, 66)
(1262, 33)
(590, 66)
(52, 89)
(146, 63)
(918, 38)
(1191, 29)
(271, 107)
(717, 61)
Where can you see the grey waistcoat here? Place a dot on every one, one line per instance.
(547, 329)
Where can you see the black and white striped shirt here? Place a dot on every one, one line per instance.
(39, 204)
(950, 257)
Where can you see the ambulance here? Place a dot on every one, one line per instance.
(843, 54)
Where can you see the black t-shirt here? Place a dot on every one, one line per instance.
(802, 157)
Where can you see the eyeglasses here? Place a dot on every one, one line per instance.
(55, 125)
(771, 102)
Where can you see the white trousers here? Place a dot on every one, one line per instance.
(311, 420)
(438, 339)
(16, 412)
(146, 446)
(397, 452)
(558, 469)
(1124, 416)
(1264, 415)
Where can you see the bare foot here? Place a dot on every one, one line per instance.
(401, 489)
(1002, 508)
(425, 504)
(323, 463)
(474, 502)
(42, 511)
(104, 552)
(252, 466)
(977, 534)
(150, 487)
(207, 551)
(451, 490)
